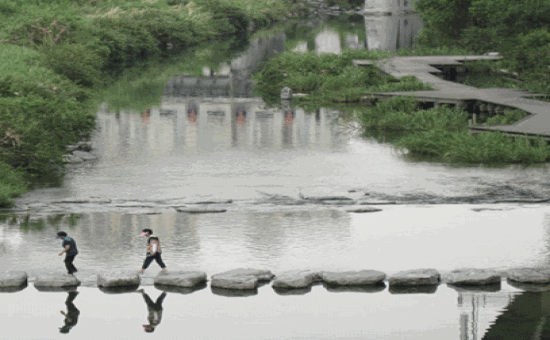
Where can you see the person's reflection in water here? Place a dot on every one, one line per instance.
(146, 114)
(241, 117)
(289, 117)
(192, 113)
(154, 309)
(71, 317)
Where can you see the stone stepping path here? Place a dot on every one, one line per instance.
(245, 281)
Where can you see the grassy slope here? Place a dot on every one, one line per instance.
(56, 54)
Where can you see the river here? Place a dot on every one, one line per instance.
(211, 139)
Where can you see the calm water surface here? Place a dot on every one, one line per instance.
(197, 146)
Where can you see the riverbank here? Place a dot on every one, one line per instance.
(58, 54)
(439, 134)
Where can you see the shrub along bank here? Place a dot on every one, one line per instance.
(327, 78)
(441, 133)
(57, 53)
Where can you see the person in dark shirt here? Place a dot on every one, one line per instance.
(69, 248)
(71, 317)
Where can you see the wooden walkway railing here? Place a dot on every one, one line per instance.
(495, 100)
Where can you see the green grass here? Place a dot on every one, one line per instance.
(327, 78)
(441, 134)
(58, 55)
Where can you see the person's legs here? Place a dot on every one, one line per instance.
(159, 261)
(146, 263)
(69, 263)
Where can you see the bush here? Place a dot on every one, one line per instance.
(12, 184)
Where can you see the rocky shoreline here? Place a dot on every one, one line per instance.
(246, 281)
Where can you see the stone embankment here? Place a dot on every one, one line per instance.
(245, 281)
(79, 153)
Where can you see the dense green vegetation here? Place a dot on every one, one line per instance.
(517, 29)
(327, 78)
(57, 54)
(442, 133)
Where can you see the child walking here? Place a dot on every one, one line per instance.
(153, 250)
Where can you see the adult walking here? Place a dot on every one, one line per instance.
(69, 248)
(153, 250)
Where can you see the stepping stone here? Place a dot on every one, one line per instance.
(118, 279)
(296, 279)
(364, 210)
(429, 289)
(119, 289)
(234, 292)
(355, 289)
(353, 278)
(530, 275)
(179, 289)
(97, 200)
(11, 279)
(185, 279)
(377, 202)
(56, 282)
(84, 155)
(241, 278)
(530, 287)
(417, 277)
(338, 202)
(328, 198)
(476, 277)
(200, 211)
(490, 288)
(211, 202)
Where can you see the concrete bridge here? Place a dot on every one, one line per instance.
(439, 71)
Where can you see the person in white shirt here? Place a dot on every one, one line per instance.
(153, 250)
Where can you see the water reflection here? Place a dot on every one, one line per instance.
(154, 309)
(504, 315)
(71, 316)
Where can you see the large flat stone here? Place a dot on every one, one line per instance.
(530, 275)
(200, 210)
(364, 210)
(296, 279)
(13, 279)
(186, 279)
(118, 279)
(353, 278)
(55, 280)
(473, 277)
(241, 278)
(417, 277)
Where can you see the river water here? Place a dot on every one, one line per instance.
(212, 140)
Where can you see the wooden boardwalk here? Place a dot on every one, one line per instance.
(493, 99)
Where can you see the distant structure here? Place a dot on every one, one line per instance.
(389, 7)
